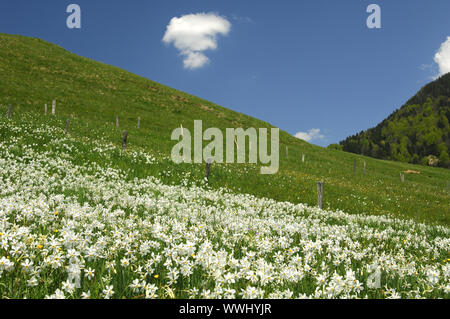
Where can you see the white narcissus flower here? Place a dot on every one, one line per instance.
(89, 273)
(108, 292)
(27, 265)
(6, 264)
(136, 285)
(125, 262)
(32, 282)
(433, 276)
(86, 295)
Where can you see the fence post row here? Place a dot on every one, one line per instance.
(208, 168)
(209, 160)
(67, 125)
(9, 111)
(124, 139)
(320, 194)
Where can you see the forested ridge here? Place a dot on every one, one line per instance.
(418, 132)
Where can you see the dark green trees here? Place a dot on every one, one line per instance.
(419, 132)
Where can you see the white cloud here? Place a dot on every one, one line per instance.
(312, 134)
(195, 60)
(442, 57)
(194, 33)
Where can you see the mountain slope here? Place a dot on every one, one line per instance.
(91, 94)
(34, 72)
(419, 132)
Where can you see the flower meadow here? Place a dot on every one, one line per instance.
(79, 229)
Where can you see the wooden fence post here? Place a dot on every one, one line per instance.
(124, 139)
(287, 152)
(139, 122)
(45, 109)
(117, 121)
(9, 111)
(364, 167)
(303, 157)
(402, 177)
(53, 107)
(320, 194)
(67, 126)
(208, 168)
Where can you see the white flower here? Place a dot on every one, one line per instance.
(68, 287)
(252, 293)
(32, 282)
(173, 275)
(251, 276)
(150, 291)
(229, 293)
(206, 294)
(229, 278)
(57, 295)
(135, 285)
(86, 295)
(27, 265)
(321, 279)
(108, 292)
(125, 262)
(433, 276)
(89, 273)
(6, 264)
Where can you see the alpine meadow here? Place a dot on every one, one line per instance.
(86, 212)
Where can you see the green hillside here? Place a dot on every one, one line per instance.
(419, 132)
(91, 94)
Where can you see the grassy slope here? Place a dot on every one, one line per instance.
(34, 72)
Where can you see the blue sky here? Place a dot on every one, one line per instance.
(303, 66)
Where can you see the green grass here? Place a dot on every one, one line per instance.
(34, 72)
(66, 195)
